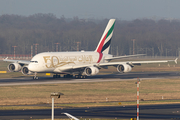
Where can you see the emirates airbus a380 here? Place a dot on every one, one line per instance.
(80, 64)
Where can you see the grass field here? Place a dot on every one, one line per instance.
(94, 94)
(152, 91)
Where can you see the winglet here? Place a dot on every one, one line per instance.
(70, 116)
(176, 60)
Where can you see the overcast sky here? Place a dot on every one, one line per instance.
(121, 9)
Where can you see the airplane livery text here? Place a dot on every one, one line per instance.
(57, 61)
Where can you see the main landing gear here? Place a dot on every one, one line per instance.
(56, 76)
(35, 77)
(80, 76)
(65, 76)
(70, 76)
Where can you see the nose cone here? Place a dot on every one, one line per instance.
(31, 67)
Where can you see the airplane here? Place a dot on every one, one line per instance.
(70, 116)
(79, 63)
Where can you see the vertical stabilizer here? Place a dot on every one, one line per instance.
(104, 43)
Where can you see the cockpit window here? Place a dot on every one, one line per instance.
(34, 61)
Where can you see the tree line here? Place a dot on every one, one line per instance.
(147, 36)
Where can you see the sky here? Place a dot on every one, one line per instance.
(97, 9)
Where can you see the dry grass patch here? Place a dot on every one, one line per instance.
(91, 92)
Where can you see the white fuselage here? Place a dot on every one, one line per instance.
(50, 61)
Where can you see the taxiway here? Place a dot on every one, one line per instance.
(97, 78)
(147, 112)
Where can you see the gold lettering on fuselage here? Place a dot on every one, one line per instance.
(57, 61)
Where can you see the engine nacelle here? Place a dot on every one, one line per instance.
(26, 71)
(14, 67)
(89, 71)
(123, 68)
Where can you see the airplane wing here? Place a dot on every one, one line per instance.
(70, 116)
(131, 63)
(126, 56)
(17, 61)
(135, 62)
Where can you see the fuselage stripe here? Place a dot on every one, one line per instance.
(101, 44)
(106, 45)
(100, 57)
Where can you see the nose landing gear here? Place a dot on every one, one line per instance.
(35, 77)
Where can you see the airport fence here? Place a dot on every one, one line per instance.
(16, 57)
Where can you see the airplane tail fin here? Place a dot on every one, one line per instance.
(104, 43)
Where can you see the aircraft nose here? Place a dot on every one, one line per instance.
(31, 67)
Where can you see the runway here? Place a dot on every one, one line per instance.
(97, 78)
(147, 112)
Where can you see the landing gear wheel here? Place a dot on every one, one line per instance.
(68, 76)
(56, 76)
(35, 78)
(76, 76)
(84, 76)
(80, 76)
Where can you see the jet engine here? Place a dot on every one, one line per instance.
(14, 67)
(26, 71)
(123, 68)
(89, 71)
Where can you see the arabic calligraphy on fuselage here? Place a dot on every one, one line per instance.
(58, 61)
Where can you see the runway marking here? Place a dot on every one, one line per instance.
(3, 71)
